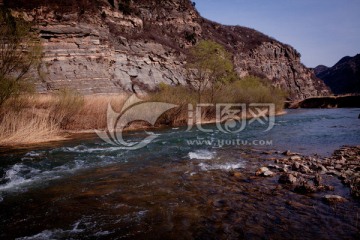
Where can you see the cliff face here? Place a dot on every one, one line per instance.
(281, 64)
(103, 50)
(343, 77)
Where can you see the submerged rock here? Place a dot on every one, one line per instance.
(355, 187)
(332, 199)
(287, 178)
(235, 174)
(321, 169)
(219, 203)
(317, 180)
(305, 187)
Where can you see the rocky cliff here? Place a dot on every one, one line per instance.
(99, 46)
(343, 77)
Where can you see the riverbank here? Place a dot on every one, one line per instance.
(345, 101)
(37, 119)
(19, 141)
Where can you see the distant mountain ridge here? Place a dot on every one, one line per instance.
(343, 77)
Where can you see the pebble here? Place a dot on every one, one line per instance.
(287, 153)
(237, 174)
(265, 172)
(268, 174)
(322, 169)
(274, 167)
(317, 180)
(305, 169)
(295, 158)
(338, 167)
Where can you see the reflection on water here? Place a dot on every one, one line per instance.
(172, 190)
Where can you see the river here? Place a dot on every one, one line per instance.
(179, 186)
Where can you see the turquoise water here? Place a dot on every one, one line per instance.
(175, 187)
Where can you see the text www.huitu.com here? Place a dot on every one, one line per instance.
(229, 142)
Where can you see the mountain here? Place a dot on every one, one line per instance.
(319, 69)
(343, 77)
(102, 46)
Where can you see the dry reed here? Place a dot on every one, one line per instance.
(27, 127)
(39, 118)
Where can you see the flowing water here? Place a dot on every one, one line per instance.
(180, 186)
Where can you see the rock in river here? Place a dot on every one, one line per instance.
(295, 158)
(332, 199)
(287, 178)
(265, 172)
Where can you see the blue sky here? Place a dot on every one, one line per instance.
(323, 31)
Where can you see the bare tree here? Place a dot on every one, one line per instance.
(20, 50)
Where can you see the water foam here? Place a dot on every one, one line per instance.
(17, 175)
(86, 149)
(20, 175)
(47, 234)
(33, 154)
(225, 166)
(202, 155)
(55, 233)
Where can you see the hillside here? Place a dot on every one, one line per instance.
(343, 77)
(98, 46)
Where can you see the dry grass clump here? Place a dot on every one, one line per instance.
(27, 127)
(92, 115)
(40, 118)
(64, 106)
